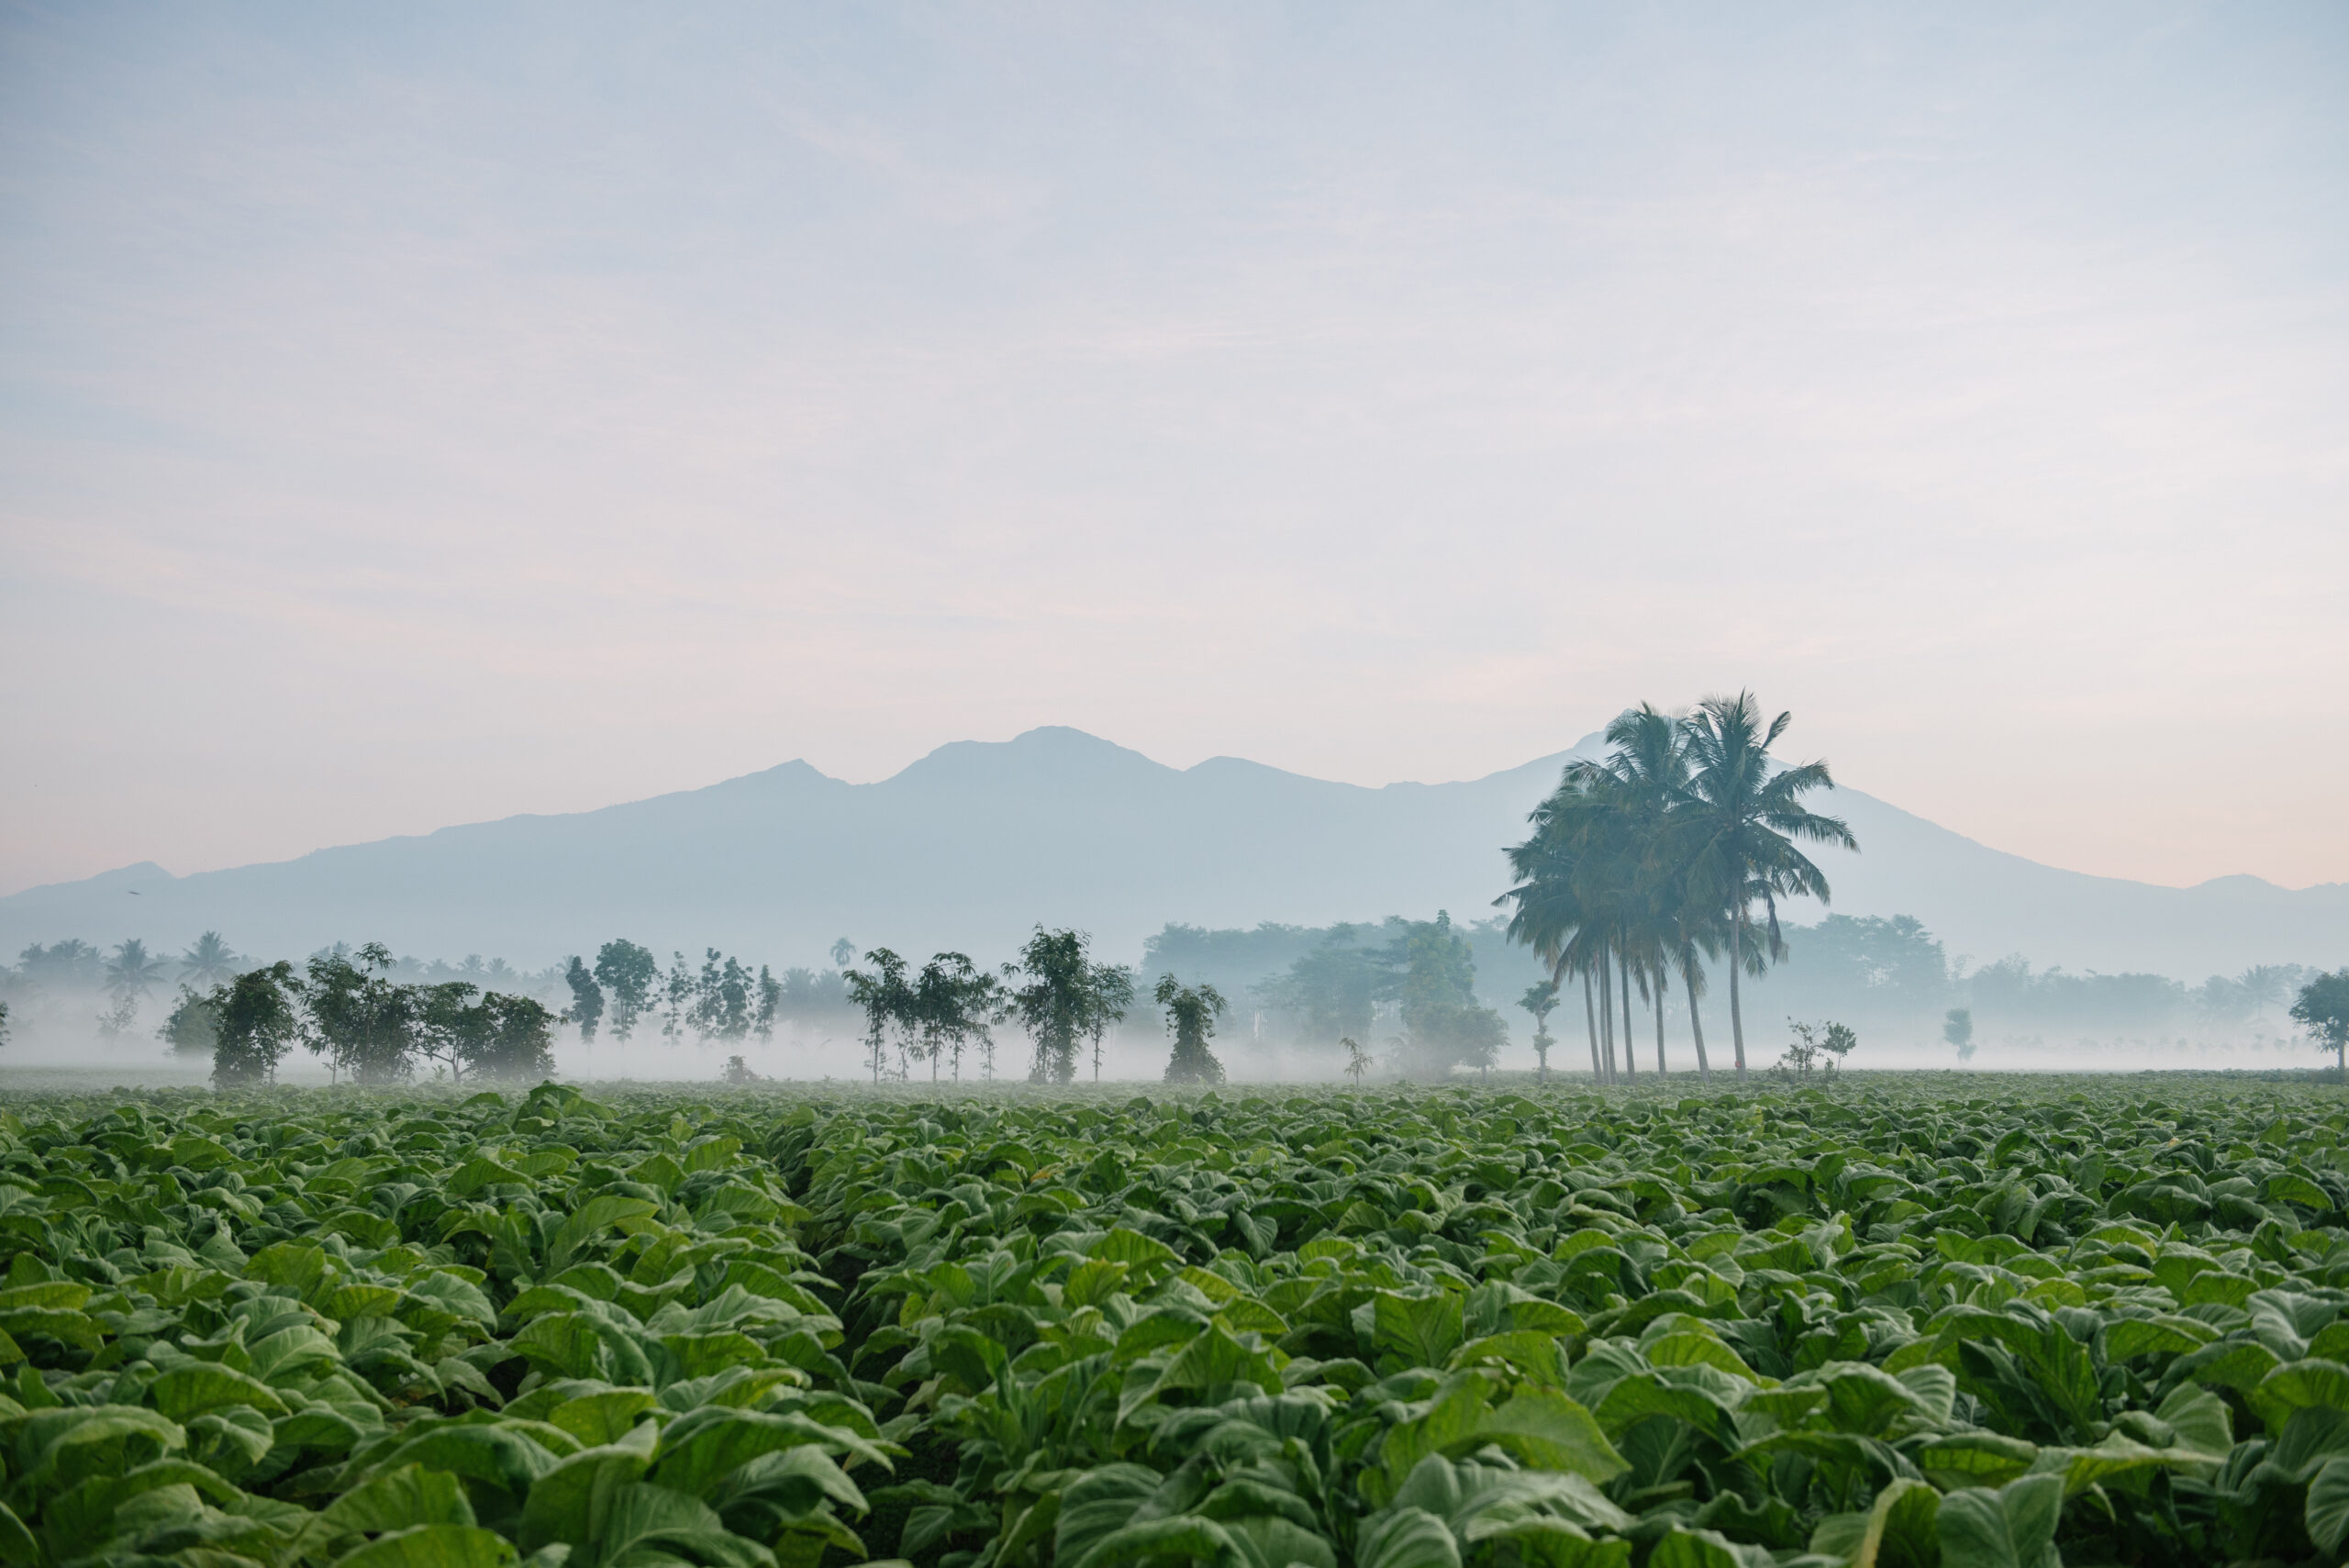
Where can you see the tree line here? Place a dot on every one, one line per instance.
(1061, 998)
(368, 1026)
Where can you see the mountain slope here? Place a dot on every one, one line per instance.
(977, 842)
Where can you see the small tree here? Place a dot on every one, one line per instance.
(738, 1073)
(1109, 992)
(770, 1003)
(2322, 1008)
(511, 1036)
(587, 998)
(1816, 1049)
(1057, 1002)
(1539, 1001)
(192, 1026)
(446, 1019)
(1191, 1013)
(1958, 1030)
(1358, 1061)
(886, 999)
(628, 972)
(257, 1021)
(361, 1021)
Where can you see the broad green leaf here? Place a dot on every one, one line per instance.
(1404, 1538)
(599, 1418)
(187, 1391)
(409, 1496)
(572, 1501)
(2011, 1527)
(431, 1546)
(2327, 1510)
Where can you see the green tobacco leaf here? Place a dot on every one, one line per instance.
(2011, 1527)
(2300, 1386)
(409, 1496)
(1542, 1428)
(1406, 1538)
(432, 1546)
(190, 1391)
(1417, 1330)
(1975, 1459)
(2327, 1511)
(599, 1418)
(572, 1502)
(1902, 1529)
(701, 1448)
(1096, 1505)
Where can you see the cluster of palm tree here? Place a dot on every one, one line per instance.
(1652, 861)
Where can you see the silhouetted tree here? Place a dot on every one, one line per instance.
(887, 1002)
(1738, 823)
(192, 1028)
(209, 961)
(1191, 1013)
(358, 1019)
(2322, 1008)
(259, 1020)
(587, 998)
(1541, 1001)
(628, 972)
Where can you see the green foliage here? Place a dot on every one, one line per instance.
(1406, 1328)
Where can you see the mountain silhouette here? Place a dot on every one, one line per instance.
(976, 842)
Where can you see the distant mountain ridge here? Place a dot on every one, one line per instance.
(975, 843)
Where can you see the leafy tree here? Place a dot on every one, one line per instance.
(770, 1001)
(887, 1001)
(843, 952)
(1738, 823)
(1109, 995)
(1813, 1049)
(725, 996)
(628, 972)
(513, 1039)
(1057, 1002)
(1191, 1013)
(3, 1023)
(445, 1020)
(1445, 1025)
(2322, 1008)
(1957, 1027)
(259, 1020)
(209, 961)
(1541, 1001)
(193, 1024)
(953, 1003)
(586, 997)
(1333, 989)
(358, 1019)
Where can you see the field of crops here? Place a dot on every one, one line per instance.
(2072, 1323)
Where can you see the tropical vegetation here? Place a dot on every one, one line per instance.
(1652, 861)
(2071, 1321)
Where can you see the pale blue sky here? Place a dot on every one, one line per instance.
(426, 414)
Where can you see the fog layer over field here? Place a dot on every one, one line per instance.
(1292, 993)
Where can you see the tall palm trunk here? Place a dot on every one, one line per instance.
(1607, 1012)
(1591, 1022)
(1736, 963)
(1659, 1019)
(1696, 1025)
(1631, 1041)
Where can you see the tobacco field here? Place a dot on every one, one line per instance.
(2063, 1322)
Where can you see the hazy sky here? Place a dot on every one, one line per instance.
(413, 415)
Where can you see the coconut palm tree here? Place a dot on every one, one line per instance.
(209, 961)
(133, 971)
(1738, 824)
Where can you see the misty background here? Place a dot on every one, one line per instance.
(1292, 897)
